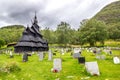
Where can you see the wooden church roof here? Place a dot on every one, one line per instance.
(31, 40)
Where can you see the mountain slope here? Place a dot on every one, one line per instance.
(110, 14)
(11, 33)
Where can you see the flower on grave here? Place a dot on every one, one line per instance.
(54, 70)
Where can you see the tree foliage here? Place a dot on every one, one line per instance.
(93, 31)
(114, 31)
(2, 42)
(11, 33)
(90, 31)
(64, 33)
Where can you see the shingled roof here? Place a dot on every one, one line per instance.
(31, 40)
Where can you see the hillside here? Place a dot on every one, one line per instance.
(110, 14)
(11, 33)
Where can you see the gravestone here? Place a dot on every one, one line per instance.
(41, 56)
(76, 50)
(50, 55)
(76, 55)
(92, 68)
(25, 57)
(11, 55)
(33, 52)
(98, 51)
(81, 60)
(62, 51)
(116, 60)
(100, 57)
(57, 64)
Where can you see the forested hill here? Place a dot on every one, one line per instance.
(12, 26)
(11, 33)
(110, 14)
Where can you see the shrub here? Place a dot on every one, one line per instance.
(9, 67)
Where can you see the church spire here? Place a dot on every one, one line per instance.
(35, 19)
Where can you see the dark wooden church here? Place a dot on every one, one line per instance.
(31, 40)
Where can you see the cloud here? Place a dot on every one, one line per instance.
(49, 12)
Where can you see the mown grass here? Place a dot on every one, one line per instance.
(41, 70)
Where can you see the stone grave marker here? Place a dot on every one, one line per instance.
(76, 55)
(116, 60)
(33, 52)
(11, 54)
(57, 64)
(98, 51)
(76, 50)
(92, 68)
(41, 56)
(50, 55)
(100, 57)
(62, 51)
(25, 57)
(81, 60)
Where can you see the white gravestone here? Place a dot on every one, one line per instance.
(116, 60)
(76, 50)
(33, 52)
(92, 68)
(101, 57)
(57, 64)
(62, 51)
(50, 55)
(11, 55)
(76, 55)
(98, 51)
(40, 56)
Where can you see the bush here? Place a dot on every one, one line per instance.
(2, 42)
(9, 67)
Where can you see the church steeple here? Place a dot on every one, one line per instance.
(35, 19)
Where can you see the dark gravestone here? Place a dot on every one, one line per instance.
(81, 60)
(25, 57)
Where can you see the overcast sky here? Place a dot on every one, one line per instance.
(49, 12)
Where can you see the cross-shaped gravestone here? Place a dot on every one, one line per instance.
(92, 68)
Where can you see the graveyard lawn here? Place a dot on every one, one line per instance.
(71, 69)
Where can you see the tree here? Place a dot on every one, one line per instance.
(63, 33)
(92, 31)
(2, 43)
(49, 35)
(114, 31)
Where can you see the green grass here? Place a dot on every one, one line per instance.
(41, 70)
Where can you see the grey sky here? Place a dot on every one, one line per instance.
(49, 12)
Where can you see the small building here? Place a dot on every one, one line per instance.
(31, 40)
